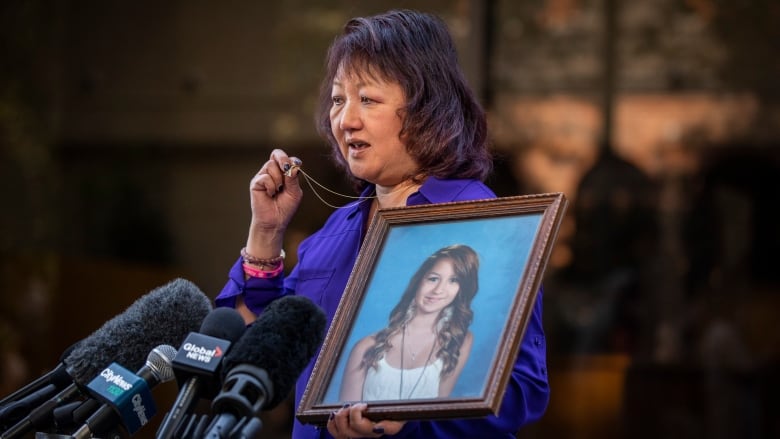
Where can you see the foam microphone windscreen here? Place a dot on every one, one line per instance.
(282, 341)
(165, 315)
(224, 323)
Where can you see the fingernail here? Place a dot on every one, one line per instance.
(345, 406)
(378, 430)
(332, 415)
(280, 188)
(286, 167)
(297, 162)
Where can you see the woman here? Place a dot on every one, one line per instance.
(404, 125)
(421, 353)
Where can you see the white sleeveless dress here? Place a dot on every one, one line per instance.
(384, 382)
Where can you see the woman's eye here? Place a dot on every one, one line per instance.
(337, 100)
(366, 100)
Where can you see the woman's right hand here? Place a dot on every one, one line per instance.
(275, 197)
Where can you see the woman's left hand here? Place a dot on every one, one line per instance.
(348, 422)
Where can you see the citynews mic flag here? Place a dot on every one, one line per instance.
(128, 393)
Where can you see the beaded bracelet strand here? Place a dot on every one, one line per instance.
(267, 262)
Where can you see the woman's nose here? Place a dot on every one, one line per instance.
(350, 117)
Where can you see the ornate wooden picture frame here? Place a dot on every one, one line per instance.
(511, 237)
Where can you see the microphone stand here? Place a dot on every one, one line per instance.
(181, 407)
(250, 430)
(229, 426)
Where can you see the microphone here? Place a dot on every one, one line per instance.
(197, 364)
(71, 415)
(163, 316)
(57, 377)
(262, 367)
(12, 412)
(16, 405)
(192, 427)
(127, 397)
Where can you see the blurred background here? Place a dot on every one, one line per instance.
(129, 131)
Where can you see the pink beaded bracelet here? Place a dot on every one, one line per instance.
(253, 271)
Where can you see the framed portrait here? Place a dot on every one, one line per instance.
(435, 309)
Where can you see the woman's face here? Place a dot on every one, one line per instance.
(437, 288)
(366, 121)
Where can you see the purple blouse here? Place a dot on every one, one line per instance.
(325, 261)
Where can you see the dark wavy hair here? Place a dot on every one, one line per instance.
(444, 127)
(451, 331)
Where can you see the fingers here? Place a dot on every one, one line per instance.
(279, 171)
(349, 422)
(289, 166)
(338, 423)
(388, 427)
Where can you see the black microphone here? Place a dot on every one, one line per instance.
(262, 367)
(197, 364)
(16, 405)
(127, 397)
(193, 426)
(163, 316)
(14, 411)
(71, 415)
(58, 378)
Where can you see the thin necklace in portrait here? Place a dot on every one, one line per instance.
(412, 353)
(419, 378)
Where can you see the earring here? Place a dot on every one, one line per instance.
(444, 318)
(409, 312)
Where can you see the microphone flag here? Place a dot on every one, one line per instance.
(199, 355)
(127, 392)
